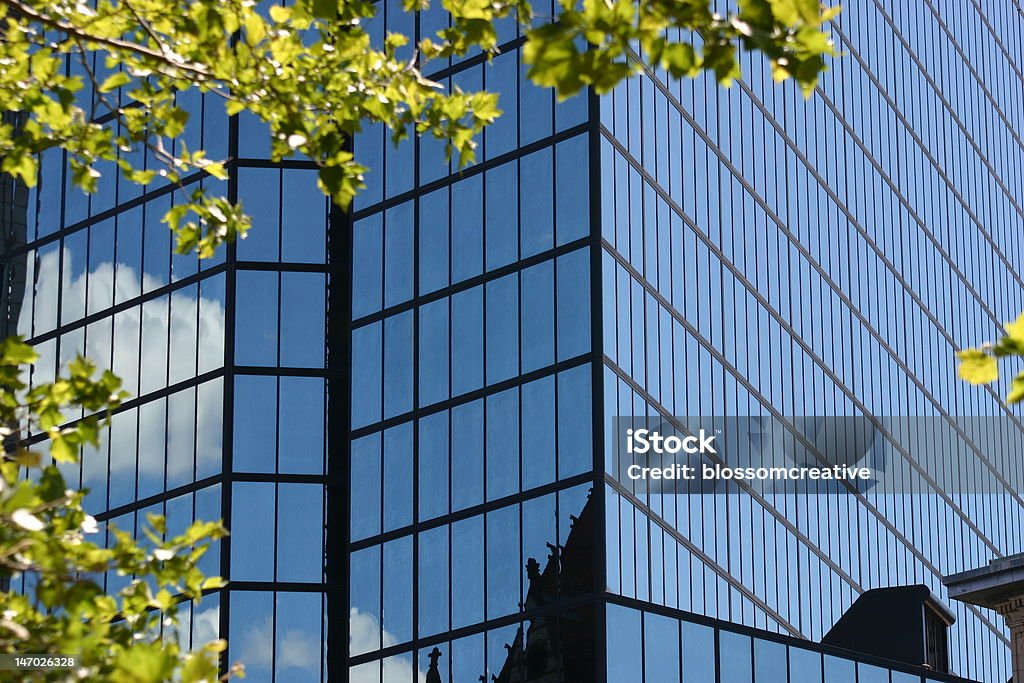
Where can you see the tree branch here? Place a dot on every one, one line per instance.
(115, 43)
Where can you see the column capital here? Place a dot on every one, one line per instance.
(1012, 611)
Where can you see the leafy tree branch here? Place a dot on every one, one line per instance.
(312, 74)
(45, 538)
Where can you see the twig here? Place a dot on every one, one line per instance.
(115, 43)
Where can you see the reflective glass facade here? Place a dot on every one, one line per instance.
(464, 339)
(749, 254)
(766, 256)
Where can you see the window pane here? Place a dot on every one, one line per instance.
(366, 486)
(252, 531)
(433, 241)
(538, 432)
(468, 572)
(298, 656)
(502, 444)
(467, 340)
(769, 661)
(433, 464)
(538, 320)
(866, 673)
(304, 218)
(433, 581)
(301, 432)
(625, 645)
(364, 599)
(698, 653)
(398, 476)
(252, 632)
(467, 228)
(503, 563)
(572, 196)
(303, 316)
(502, 215)
(734, 662)
(804, 666)
(573, 304)
(366, 375)
(256, 331)
(661, 649)
(255, 428)
(839, 670)
(367, 265)
(397, 610)
(575, 427)
(259, 191)
(467, 455)
(537, 199)
(502, 329)
(433, 348)
(300, 529)
(398, 255)
(398, 364)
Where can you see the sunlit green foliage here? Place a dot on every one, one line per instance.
(47, 537)
(981, 365)
(310, 72)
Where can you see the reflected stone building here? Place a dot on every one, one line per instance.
(405, 413)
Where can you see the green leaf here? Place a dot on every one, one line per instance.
(1016, 394)
(255, 29)
(15, 351)
(977, 367)
(115, 81)
(62, 451)
(796, 12)
(325, 9)
(143, 663)
(1015, 330)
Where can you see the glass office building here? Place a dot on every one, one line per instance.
(405, 413)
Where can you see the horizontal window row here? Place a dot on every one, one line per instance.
(179, 512)
(517, 557)
(289, 215)
(150, 346)
(556, 646)
(512, 441)
(478, 224)
(280, 318)
(643, 646)
(160, 445)
(277, 532)
(493, 332)
(279, 424)
(279, 636)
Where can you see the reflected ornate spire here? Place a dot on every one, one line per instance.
(433, 675)
(554, 647)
